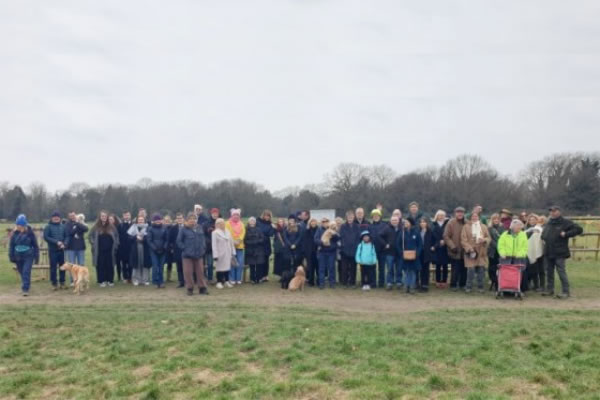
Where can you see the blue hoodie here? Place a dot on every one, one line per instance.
(365, 254)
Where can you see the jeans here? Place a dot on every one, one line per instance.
(158, 261)
(410, 278)
(327, 263)
(24, 266)
(208, 262)
(458, 279)
(394, 270)
(235, 275)
(471, 273)
(561, 267)
(75, 256)
(57, 258)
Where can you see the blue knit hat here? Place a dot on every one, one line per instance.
(55, 214)
(21, 220)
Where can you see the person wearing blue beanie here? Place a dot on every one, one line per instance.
(24, 251)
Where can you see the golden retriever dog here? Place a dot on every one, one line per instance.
(297, 282)
(80, 274)
(326, 238)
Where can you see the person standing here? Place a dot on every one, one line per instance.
(392, 259)
(414, 212)
(556, 236)
(360, 219)
(158, 240)
(23, 251)
(209, 227)
(410, 246)
(292, 237)
(350, 239)
(140, 253)
(440, 257)
(254, 250)
(223, 250)
(168, 224)
(265, 225)
(192, 244)
(535, 253)
(376, 228)
(452, 239)
(75, 241)
(427, 255)
(104, 239)
(495, 229)
(173, 234)
(475, 240)
(55, 235)
(199, 211)
(326, 239)
(310, 251)
(237, 230)
(124, 249)
(366, 257)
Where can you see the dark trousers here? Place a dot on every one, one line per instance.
(312, 267)
(380, 271)
(441, 273)
(123, 267)
(57, 258)
(367, 274)
(493, 272)
(222, 276)
(193, 272)
(105, 270)
(255, 272)
(179, 266)
(458, 277)
(536, 274)
(348, 271)
(24, 266)
(424, 276)
(561, 268)
(327, 263)
(209, 265)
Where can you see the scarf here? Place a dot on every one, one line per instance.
(476, 230)
(137, 229)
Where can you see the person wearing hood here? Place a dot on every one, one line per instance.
(254, 250)
(140, 252)
(265, 225)
(392, 257)
(190, 240)
(366, 257)
(158, 242)
(56, 236)
(104, 240)
(209, 227)
(410, 246)
(475, 239)
(440, 256)
(23, 251)
(556, 235)
(452, 240)
(237, 230)
(350, 239)
(376, 228)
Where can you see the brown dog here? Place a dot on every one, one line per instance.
(297, 283)
(80, 274)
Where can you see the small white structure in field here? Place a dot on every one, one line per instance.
(319, 214)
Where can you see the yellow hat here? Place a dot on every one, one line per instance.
(376, 211)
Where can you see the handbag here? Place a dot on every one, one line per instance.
(408, 255)
(234, 261)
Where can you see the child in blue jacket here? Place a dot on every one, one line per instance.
(366, 257)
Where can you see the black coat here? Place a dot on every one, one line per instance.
(293, 239)
(309, 246)
(254, 246)
(440, 256)
(173, 233)
(75, 232)
(428, 255)
(350, 238)
(282, 257)
(388, 238)
(376, 228)
(268, 232)
(495, 232)
(557, 246)
(158, 238)
(124, 249)
(209, 227)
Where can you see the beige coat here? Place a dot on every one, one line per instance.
(452, 238)
(222, 250)
(469, 245)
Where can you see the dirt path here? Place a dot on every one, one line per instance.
(270, 296)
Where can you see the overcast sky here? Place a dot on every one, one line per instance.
(279, 92)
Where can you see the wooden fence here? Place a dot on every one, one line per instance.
(583, 244)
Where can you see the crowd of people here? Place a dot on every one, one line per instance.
(397, 254)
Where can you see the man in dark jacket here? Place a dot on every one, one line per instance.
(556, 236)
(199, 211)
(376, 228)
(350, 238)
(209, 227)
(192, 244)
(75, 241)
(392, 258)
(158, 241)
(124, 249)
(173, 234)
(55, 236)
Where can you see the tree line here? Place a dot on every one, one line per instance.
(571, 180)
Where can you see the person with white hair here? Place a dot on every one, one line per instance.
(223, 250)
(513, 245)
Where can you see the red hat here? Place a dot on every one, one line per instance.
(214, 210)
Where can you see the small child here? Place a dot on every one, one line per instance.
(367, 259)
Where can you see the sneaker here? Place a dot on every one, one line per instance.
(548, 294)
(190, 292)
(219, 285)
(25, 294)
(239, 282)
(103, 284)
(54, 288)
(368, 288)
(146, 283)
(228, 285)
(480, 291)
(563, 296)
(467, 290)
(203, 291)
(388, 287)
(72, 284)
(135, 283)
(62, 286)
(111, 284)
(180, 286)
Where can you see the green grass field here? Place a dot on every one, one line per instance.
(259, 343)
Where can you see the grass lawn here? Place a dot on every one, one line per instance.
(259, 343)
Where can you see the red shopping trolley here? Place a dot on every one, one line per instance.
(509, 280)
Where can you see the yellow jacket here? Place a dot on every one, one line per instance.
(239, 239)
(513, 246)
